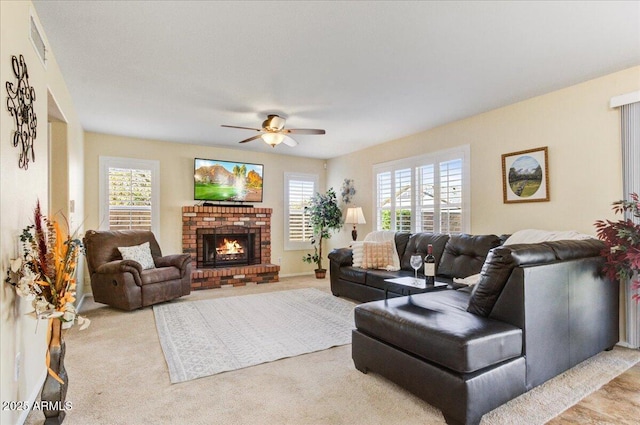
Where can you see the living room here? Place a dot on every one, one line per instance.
(573, 120)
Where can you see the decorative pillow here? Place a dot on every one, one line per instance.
(378, 255)
(384, 236)
(358, 252)
(140, 253)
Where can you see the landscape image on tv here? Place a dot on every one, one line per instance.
(227, 181)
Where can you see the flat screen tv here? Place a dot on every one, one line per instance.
(216, 180)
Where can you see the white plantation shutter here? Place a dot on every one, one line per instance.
(451, 196)
(427, 198)
(129, 194)
(299, 189)
(404, 200)
(384, 201)
(430, 193)
(129, 199)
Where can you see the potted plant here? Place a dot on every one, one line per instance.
(325, 217)
(622, 239)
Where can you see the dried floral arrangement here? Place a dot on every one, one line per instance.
(45, 274)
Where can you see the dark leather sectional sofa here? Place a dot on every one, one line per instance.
(537, 310)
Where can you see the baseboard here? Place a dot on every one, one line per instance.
(79, 306)
(32, 397)
(296, 274)
(626, 345)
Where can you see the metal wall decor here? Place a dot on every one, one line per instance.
(20, 101)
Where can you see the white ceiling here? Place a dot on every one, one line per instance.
(366, 71)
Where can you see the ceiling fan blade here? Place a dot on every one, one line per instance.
(243, 128)
(303, 131)
(289, 141)
(251, 138)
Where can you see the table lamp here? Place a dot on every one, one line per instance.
(355, 217)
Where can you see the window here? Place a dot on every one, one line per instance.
(427, 193)
(298, 190)
(129, 194)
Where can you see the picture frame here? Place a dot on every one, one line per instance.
(525, 176)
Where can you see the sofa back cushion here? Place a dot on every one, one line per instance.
(417, 244)
(465, 254)
(402, 239)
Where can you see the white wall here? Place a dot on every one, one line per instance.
(576, 123)
(176, 186)
(19, 191)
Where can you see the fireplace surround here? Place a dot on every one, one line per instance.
(219, 266)
(227, 246)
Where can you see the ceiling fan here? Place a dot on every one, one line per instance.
(274, 133)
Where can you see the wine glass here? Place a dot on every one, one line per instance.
(416, 262)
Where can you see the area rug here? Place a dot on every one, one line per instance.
(202, 338)
(548, 400)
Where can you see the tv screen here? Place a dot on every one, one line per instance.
(216, 180)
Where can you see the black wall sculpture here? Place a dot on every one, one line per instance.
(20, 101)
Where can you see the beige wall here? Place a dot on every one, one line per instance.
(576, 123)
(19, 191)
(176, 185)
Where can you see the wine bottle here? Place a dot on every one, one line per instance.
(430, 266)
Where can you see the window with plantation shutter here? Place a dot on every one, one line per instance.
(299, 189)
(128, 194)
(129, 199)
(427, 193)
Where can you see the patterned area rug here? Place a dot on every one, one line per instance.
(202, 338)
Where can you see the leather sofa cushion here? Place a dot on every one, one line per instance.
(574, 249)
(465, 254)
(353, 274)
(436, 327)
(160, 274)
(402, 238)
(417, 244)
(341, 256)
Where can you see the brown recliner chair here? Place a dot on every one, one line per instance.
(124, 284)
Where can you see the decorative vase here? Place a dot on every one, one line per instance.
(53, 391)
(320, 273)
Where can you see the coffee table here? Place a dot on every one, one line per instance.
(409, 286)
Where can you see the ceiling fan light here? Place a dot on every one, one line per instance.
(273, 139)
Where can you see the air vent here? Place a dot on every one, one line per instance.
(38, 41)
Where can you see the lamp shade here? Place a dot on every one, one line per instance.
(355, 216)
(273, 139)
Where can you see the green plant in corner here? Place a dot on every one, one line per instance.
(325, 217)
(622, 239)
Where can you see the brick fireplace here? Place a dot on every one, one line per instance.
(230, 246)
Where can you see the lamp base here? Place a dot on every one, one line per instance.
(354, 233)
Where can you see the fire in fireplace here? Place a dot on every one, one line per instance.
(228, 246)
(230, 249)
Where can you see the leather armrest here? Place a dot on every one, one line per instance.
(177, 260)
(342, 256)
(120, 266)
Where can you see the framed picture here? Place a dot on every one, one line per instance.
(525, 176)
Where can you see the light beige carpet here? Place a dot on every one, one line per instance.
(118, 375)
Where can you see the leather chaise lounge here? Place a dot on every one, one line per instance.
(536, 311)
